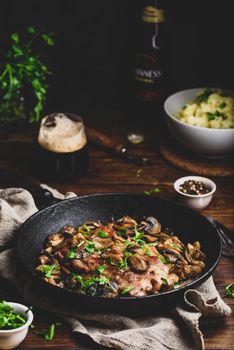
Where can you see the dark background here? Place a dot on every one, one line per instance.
(96, 43)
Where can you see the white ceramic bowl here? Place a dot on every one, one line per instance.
(11, 338)
(192, 201)
(206, 142)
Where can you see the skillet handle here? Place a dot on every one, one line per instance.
(11, 178)
(45, 198)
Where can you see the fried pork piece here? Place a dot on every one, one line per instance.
(120, 258)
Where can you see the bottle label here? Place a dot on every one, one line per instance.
(153, 15)
(146, 70)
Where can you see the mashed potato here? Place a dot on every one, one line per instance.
(210, 109)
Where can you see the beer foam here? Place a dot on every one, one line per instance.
(62, 134)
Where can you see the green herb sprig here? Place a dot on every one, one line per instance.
(19, 65)
(126, 290)
(152, 191)
(48, 269)
(229, 290)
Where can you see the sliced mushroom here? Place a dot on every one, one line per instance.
(55, 239)
(153, 226)
(192, 270)
(44, 259)
(194, 255)
(171, 255)
(137, 264)
(113, 258)
(69, 230)
(127, 221)
(150, 239)
(80, 266)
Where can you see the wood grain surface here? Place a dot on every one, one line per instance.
(107, 174)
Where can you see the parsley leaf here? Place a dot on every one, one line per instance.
(90, 247)
(204, 95)
(127, 289)
(229, 290)
(48, 269)
(210, 116)
(101, 268)
(102, 234)
(164, 280)
(177, 285)
(49, 335)
(222, 105)
(152, 191)
(162, 259)
(138, 236)
(148, 252)
(78, 278)
(71, 254)
(122, 232)
(138, 172)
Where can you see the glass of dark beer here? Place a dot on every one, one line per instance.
(63, 150)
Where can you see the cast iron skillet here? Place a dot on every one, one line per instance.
(189, 225)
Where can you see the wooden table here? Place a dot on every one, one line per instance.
(107, 174)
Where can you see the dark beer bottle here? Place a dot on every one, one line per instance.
(149, 67)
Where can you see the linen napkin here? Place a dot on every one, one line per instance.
(177, 329)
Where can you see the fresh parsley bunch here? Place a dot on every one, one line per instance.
(20, 67)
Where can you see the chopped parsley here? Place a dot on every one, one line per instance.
(220, 114)
(127, 254)
(48, 269)
(9, 319)
(204, 95)
(122, 232)
(79, 244)
(164, 280)
(222, 105)
(138, 236)
(49, 335)
(153, 244)
(127, 289)
(177, 246)
(229, 290)
(90, 247)
(78, 279)
(101, 268)
(152, 191)
(177, 285)
(92, 280)
(71, 254)
(128, 243)
(102, 234)
(162, 259)
(86, 228)
(210, 116)
(138, 172)
(148, 252)
(123, 265)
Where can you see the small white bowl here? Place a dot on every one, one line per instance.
(206, 142)
(193, 201)
(11, 338)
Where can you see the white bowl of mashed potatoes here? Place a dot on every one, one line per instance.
(202, 120)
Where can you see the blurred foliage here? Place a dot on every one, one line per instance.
(20, 67)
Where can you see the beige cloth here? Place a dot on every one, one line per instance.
(177, 329)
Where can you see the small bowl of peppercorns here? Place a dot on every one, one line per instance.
(195, 191)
